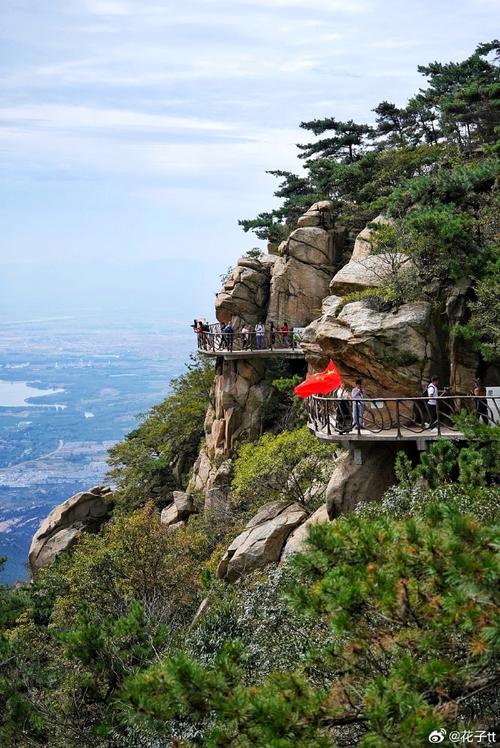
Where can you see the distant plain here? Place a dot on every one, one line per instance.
(104, 373)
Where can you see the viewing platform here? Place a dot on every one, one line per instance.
(395, 419)
(237, 345)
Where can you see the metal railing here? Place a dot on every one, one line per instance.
(223, 342)
(403, 416)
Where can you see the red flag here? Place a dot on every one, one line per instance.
(320, 384)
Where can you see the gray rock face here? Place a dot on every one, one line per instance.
(297, 540)
(262, 540)
(217, 495)
(463, 359)
(319, 214)
(392, 351)
(352, 484)
(365, 269)
(240, 393)
(245, 293)
(179, 511)
(302, 272)
(83, 512)
(370, 272)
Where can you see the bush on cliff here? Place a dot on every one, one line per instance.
(292, 465)
(100, 612)
(156, 457)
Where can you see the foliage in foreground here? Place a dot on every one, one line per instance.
(413, 606)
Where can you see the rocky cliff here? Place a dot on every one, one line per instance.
(285, 287)
(307, 282)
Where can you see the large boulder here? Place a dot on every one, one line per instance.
(367, 269)
(297, 540)
(179, 510)
(244, 294)
(320, 214)
(83, 512)
(354, 481)
(303, 268)
(262, 540)
(393, 351)
(374, 271)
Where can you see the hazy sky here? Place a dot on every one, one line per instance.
(139, 131)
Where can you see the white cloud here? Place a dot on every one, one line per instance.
(67, 117)
(328, 6)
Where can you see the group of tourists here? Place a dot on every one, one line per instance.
(350, 407)
(280, 337)
(432, 393)
(252, 337)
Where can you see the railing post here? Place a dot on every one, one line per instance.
(356, 407)
(398, 420)
(212, 335)
(437, 418)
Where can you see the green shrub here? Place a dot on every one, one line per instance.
(156, 457)
(292, 465)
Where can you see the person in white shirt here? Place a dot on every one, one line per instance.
(245, 336)
(259, 335)
(432, 394)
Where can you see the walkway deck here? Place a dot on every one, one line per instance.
(261, 353)
(395, 419)
(237, 345)
(389, 435)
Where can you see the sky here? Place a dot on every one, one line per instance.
(135, 133)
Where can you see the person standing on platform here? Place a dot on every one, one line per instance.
(245, 336)
(228, 336)
(344, 420)
(260, 332)
(358, 405)
(479, 392)
(272, 333)
(284, 334)
(433, 394)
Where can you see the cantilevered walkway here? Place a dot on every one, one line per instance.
(237, 345)
(395, 419)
